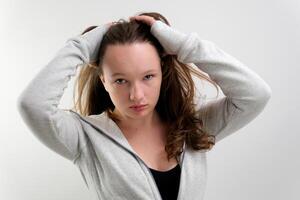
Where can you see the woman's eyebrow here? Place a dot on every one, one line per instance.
(116, 74)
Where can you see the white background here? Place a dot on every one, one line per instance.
(260, 161)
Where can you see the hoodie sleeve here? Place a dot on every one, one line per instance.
(246, 93)
(38, 103)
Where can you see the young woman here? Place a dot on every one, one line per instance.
(136, 132)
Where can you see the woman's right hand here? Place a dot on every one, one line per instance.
(92, 39)
(143, 18)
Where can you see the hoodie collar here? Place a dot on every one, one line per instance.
(107, 126)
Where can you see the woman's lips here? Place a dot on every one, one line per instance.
(139, 108)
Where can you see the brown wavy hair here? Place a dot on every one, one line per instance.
(175, 105)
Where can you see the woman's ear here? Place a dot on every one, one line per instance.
(102, 80)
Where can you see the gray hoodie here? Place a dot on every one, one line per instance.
(109, 166)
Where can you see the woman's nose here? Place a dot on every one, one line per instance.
(136, 93)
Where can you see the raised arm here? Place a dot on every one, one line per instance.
(246, 93)
(38, 103)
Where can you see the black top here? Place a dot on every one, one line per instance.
(167, 182)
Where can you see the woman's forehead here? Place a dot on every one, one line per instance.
(137, 57)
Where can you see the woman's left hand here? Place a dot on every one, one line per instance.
(147, 20)
(143, 18)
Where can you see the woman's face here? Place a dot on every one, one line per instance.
(132, 75)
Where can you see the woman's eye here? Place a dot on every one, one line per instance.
(121, 81)
(118, 80)
(149, 75)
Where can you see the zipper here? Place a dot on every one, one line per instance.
(181, 166)
(153, 180)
